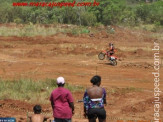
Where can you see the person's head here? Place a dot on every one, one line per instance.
(37, 109)
(60, 81)
(96, 80)
(110, 44)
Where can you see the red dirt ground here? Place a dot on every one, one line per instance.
(75, 58)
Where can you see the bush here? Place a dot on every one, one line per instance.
(88, 19)
(150, 13)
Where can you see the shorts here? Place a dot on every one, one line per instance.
(61, 120)
(96, 112)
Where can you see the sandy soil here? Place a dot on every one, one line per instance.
(75, 58)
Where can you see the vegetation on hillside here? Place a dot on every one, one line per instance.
(109, 12)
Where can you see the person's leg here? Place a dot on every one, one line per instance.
(102, 120)
(62, 120)
(101, 113)
(91, 115)
(58, 120)
(92, 120)
(67, 120)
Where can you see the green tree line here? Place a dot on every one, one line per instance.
(109, 12)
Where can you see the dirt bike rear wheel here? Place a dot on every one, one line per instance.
(101, 56)
(114, 62)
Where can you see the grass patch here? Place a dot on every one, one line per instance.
(36, 30)
(124, 90)
(31, 91)
(149, 27)
(27, 30)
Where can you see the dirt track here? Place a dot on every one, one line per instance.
(75, 58)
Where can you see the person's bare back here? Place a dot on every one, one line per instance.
(95, 92)
(37, 118)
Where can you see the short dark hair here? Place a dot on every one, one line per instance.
(95, 79)
(60, 85)
(37, 109)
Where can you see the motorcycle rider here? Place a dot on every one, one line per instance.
(108, 53)
(111, 49)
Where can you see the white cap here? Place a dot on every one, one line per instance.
(60, 80)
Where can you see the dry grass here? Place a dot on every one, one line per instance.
(31, 91)
(35, 30)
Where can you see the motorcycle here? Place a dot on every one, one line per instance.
(104, 54)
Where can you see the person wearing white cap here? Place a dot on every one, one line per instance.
(62, 102)
(60, 80)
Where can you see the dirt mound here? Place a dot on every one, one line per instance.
(87, 51)
(35, 53)
(144, 65)
(141, 53)
(120, 54)
(16, 104)
(140, 107)
(14, 108)
(70, 34)
(19, 109)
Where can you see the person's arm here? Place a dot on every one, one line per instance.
(52, 104)
(48, 118)
(85, 101)
(70, 101)
(104, 98)
(72, 107)
(85, 112)
(29, 118)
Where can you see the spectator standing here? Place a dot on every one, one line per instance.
(62, 102)
(94, 100)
